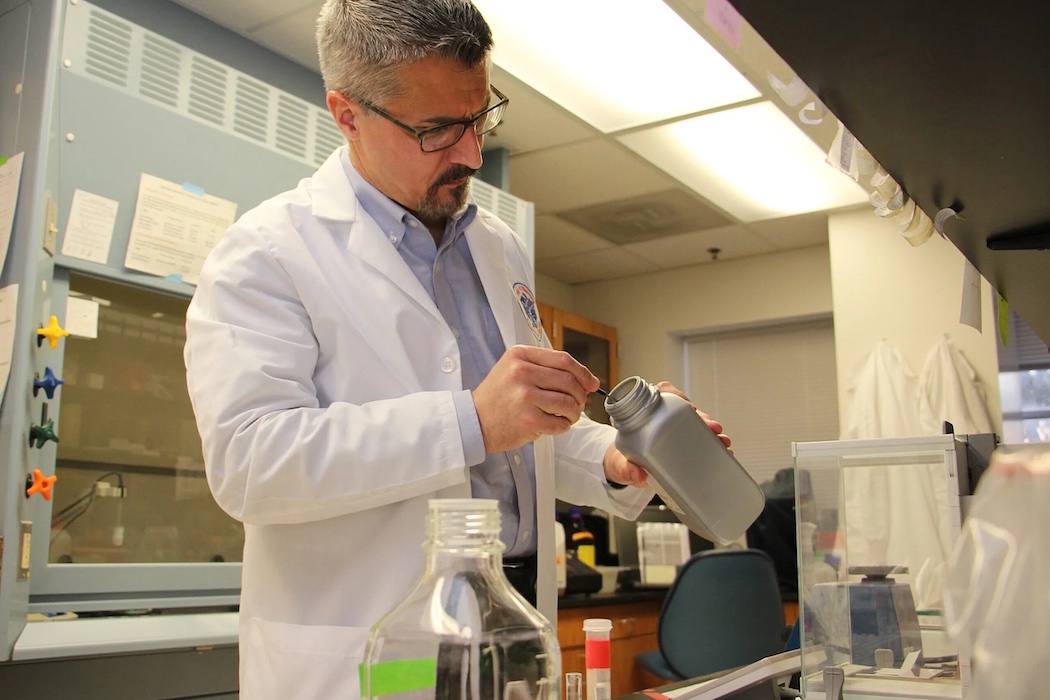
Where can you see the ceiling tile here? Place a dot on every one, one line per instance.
(242, 16)
(292, 35)
(556, 237)
(532, 121)
(581, 174)
(596, 265)
(794, 231)
(694, 248)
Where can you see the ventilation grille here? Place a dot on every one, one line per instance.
(105, 47)
(518, 214)
(102, 46)
(109, 54)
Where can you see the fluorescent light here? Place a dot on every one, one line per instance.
(616, 64)
(751, 161)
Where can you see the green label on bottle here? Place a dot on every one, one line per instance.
(392, 677)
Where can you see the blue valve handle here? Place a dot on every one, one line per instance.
(49, 383)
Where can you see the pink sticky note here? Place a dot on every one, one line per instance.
(725, 20)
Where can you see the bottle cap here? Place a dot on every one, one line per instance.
(597, 624)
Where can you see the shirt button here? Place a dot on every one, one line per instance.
(525, 535)
(455, 332)
(448, 365)
(393, 238)
(517, 460)
(413, 223)
(437, 268)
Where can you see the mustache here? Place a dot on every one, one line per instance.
(456, 172)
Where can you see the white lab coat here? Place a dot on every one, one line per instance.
(882, 397)
(322, 376)
(899, 515)
(950, 390)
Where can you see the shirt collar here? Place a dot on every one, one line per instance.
(393, 218)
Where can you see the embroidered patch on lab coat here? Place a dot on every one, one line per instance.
(528, 307)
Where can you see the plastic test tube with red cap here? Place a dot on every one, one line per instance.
(596, 657)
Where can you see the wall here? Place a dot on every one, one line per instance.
(875, 283)
(651, 312)
(551, 291)
(885, 288)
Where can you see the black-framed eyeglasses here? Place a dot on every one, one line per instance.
(442, 136)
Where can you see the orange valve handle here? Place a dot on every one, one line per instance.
(40, 484)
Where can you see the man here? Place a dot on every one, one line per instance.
(365, 342)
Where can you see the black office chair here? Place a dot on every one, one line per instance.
(723, 611)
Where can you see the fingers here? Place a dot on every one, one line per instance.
(635, 476)
(672, 389)
(620, 470)
(530, 392)
(559, 362)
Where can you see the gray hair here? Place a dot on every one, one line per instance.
(362, 44)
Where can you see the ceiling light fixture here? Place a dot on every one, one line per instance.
(751, 161)
(616, 64)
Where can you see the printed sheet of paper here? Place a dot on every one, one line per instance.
(8, 309)
(10, 180)
(970, 314)
(174, 228)
(89, 229)
(82, 317)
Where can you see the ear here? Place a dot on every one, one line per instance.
(345, 112)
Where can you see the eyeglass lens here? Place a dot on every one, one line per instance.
(446, 136)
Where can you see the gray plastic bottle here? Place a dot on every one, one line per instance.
(694, 473)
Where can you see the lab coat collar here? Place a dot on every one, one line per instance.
(332, 197)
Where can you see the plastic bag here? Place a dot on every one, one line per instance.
(997, 597)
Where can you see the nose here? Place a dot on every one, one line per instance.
(467, 150)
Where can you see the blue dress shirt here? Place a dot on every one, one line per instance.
(447, 272)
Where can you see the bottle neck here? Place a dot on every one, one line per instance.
(464, 537)
(630, 403)
(440, 559)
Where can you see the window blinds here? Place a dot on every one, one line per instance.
(769, 387)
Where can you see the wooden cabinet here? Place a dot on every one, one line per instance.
(633, 631)
(591, 343)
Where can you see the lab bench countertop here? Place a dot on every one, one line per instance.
(624, 596)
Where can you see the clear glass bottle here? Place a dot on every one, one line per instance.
(463, 632)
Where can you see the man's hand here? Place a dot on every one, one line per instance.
(620, 470)
(531, 392)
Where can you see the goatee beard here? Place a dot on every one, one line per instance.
(434, 208)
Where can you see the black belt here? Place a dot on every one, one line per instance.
(521, 572)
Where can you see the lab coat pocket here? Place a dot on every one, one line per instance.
(283, 661)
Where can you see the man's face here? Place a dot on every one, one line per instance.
(431, 185)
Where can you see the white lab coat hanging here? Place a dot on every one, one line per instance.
(322, 377)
